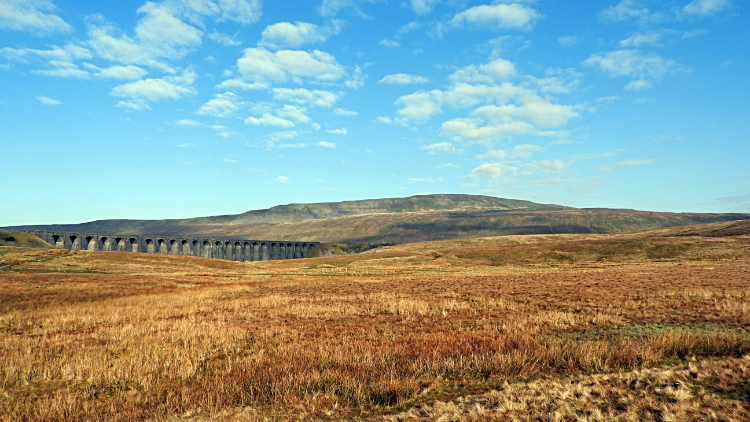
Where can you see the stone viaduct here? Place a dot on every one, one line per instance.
(223, 248)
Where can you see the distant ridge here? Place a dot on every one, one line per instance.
(295, 213)
(416, 203)
(401, 220)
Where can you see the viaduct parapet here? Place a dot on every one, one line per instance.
(223, 248)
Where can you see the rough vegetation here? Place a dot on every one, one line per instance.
(21, 239)
(634, 326)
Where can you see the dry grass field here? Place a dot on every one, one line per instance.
(555, 327)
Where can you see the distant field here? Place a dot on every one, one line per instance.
(642, 326)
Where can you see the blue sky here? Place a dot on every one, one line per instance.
(181, 108)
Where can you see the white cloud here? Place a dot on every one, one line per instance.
(525, 151)
(357, 80)
(568, 40)
(425, 180)
(269, 120)
(470, 130)
(229, 160)
(133, 105)
(59, 59)
(541, 113)
(332, 7)
(408, 27)
(440, 148)
(67, 53)
(288, 35)
(639, 38)
(173, 87)
(391, 121)
(626, 10)
(498, 16)
(62, 69)
(242, 11)
(283, 135)
(325, 144)
(403, 79)
(447, 165)
(159, 35)
(123, 72)
(634, 64)
(421, 7)
(47, 100)
(292, 146)
(490, 171)
(222, 131)
(513, 109)
(635, 162)
(295, 114)
(31, 15)
(390, 43)
(464, 95)
(341, 131)
(222, 105)
(638, 85)
(487, 73)
(695, 33)
(188, 123)
(704, 8)
(545, 166)
(345, 113)
(240, 85)
(420, 105)
(493, 155)
(317, 98)
(557, 81)
(259, 63)
(223, 39)
(280, 179)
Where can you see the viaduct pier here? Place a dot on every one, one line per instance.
(240, 250)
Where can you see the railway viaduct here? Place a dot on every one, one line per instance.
(223, 248)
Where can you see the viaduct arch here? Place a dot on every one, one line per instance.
(240, 250)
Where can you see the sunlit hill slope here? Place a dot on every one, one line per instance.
(402, 220)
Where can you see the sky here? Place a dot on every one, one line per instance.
(187, 108)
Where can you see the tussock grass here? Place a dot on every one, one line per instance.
(707, 391)
(147, 337)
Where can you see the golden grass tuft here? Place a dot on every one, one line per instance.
(399, 333)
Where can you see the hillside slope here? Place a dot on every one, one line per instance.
(21, 239)
(296, 213)
(418, 227)
(402, 220)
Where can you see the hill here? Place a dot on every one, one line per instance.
(721, 229)
(21, 239)
(402, 220)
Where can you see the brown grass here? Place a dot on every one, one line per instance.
(692, 391)
(124, 337)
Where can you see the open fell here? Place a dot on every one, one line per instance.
(636, 326)
(21, 239)
(400, 220)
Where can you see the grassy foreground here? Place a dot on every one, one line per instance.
(555, 327)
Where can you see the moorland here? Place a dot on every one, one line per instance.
(417, 218)
(648, 325)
